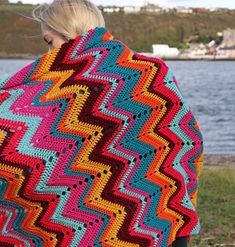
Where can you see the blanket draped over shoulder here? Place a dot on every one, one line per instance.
(97, 148)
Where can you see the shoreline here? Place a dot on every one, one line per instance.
(219, 161)
(199, 59)
(32, 57)
(23, 57)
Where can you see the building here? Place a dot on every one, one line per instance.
(111, 9)
(164, 51)
(183, 10)
(131, 9)
(212, 9)
(152, 8)
(226, 50)
(228, 38)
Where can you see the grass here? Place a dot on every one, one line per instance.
(216, 208)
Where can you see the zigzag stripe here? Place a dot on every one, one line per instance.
(81, 155)
(180, 120)
(147, 137)
(125, 125)
(23, 148)
(119, 82)
(16, 205)
(131, 146)
(69, 128)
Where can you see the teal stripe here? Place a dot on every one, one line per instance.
(182, 136)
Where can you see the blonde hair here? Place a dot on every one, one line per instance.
(69, 18)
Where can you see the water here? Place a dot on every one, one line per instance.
(209, 89)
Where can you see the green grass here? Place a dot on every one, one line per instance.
(216, 208)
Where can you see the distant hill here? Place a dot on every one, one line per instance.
(3, 1)
(20, 36)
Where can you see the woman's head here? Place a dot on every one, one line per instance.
(65, 19)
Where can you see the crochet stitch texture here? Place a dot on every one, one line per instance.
(97, 148)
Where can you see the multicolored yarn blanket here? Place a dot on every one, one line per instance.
(97, 148)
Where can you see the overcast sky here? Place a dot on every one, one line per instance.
(167, 3)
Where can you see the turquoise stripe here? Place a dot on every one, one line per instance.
(182, 136)
(3, 82)
(32, 70)
(196, 229)
(124, 118)
(50, 158)
(125, 92)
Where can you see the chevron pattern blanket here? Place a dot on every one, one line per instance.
(97, 148)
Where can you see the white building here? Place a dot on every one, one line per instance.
(183, 10)
(152, 8)
(131, 9)
(164, 51)
(213, 9)
(226, 50)
(228, 38)
(111, 9)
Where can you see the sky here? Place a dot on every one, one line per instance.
(163, 3)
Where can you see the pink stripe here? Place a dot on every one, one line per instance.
(17, 79)
(192, 152)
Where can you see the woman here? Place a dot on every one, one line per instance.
(98, 146)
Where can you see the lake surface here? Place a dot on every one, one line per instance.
(209, 89)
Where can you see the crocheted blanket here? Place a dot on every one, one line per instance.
(97, 148)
